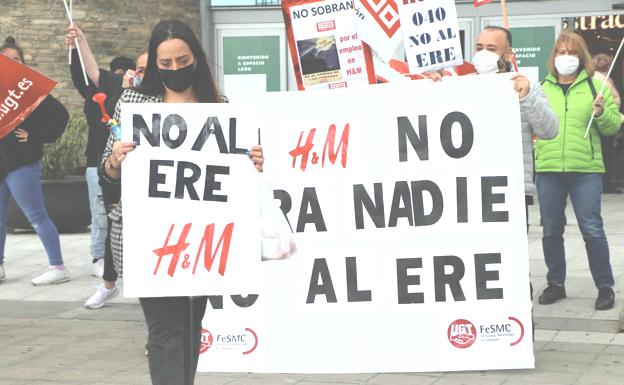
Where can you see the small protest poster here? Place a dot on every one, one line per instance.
(21, 91)
(325, 46)
(430, 34)
(190, 200)
(379, 26)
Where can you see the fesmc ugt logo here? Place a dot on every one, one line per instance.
(462, 333)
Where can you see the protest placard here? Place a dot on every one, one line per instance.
(407, 204)
(21, 91)
(325, 46)
(430, 34)
(379, 26)
(190, 200)
(478, 3)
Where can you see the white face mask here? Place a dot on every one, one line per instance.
(566, 65)
(486, 62)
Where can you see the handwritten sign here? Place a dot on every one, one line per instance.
(430, 34)
(191, 200)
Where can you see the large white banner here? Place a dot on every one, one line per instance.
(407, 202)
(190, 200)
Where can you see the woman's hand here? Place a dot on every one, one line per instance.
(598, 105)
(120, 149)
(257, 157)
(21, 135)
(73, 34)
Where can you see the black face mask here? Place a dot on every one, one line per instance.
(178, 80)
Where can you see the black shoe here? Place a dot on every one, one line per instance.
(551, 294)
(605, 299)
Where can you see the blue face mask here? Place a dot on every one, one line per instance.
(136, 82)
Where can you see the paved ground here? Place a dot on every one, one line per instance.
(46, 337)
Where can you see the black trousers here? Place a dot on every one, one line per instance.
(110, 274)
(174, 337)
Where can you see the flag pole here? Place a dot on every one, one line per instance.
(505, 16)
(604, 84)
(71, 23)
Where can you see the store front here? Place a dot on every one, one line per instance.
(250, 52)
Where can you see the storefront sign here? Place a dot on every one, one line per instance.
(251, 64)
(532, 47)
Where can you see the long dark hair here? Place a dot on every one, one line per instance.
(9, 42)
(203, 84)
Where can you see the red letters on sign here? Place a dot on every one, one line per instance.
(329, 149)
(205, 245)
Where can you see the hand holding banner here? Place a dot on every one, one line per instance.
(21, 91)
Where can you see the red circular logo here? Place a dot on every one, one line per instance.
(206, 341)
(462, 333)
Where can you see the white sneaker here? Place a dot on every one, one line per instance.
(2, 273)
(99, 298)
(51, 276)
(98, 268)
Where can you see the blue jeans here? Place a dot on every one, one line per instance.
(585, 191)
(99, 223)
(24, 184)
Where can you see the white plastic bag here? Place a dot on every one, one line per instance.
(277, 236)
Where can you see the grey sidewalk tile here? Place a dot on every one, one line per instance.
(279, 378)
(542, 376)
(86, 376)
(401, 379)
(23, 372)
(267, 379)
(356, 378)
(208, 379)
(566, 347)
(469, 381)
(599, 378)
(571, 357)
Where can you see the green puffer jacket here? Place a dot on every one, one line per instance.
(569, 151)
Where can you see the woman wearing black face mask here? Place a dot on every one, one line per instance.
(176, 72)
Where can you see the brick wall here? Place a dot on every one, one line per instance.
(112, 27)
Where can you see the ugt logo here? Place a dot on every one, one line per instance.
(462, 333)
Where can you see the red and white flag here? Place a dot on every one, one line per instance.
(21, 91)
(478, 3)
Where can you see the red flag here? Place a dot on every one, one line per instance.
(21, 91)
(478, 3)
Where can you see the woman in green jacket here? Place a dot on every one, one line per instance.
(571, 164)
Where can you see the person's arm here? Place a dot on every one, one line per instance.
(542, 119)
(76, 76)
(49, 120)
(74, 34)
(607, 115)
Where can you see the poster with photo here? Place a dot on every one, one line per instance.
(325, 46)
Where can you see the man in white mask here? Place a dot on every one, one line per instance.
(493, 56)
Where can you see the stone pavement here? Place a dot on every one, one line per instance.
(46, 337)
